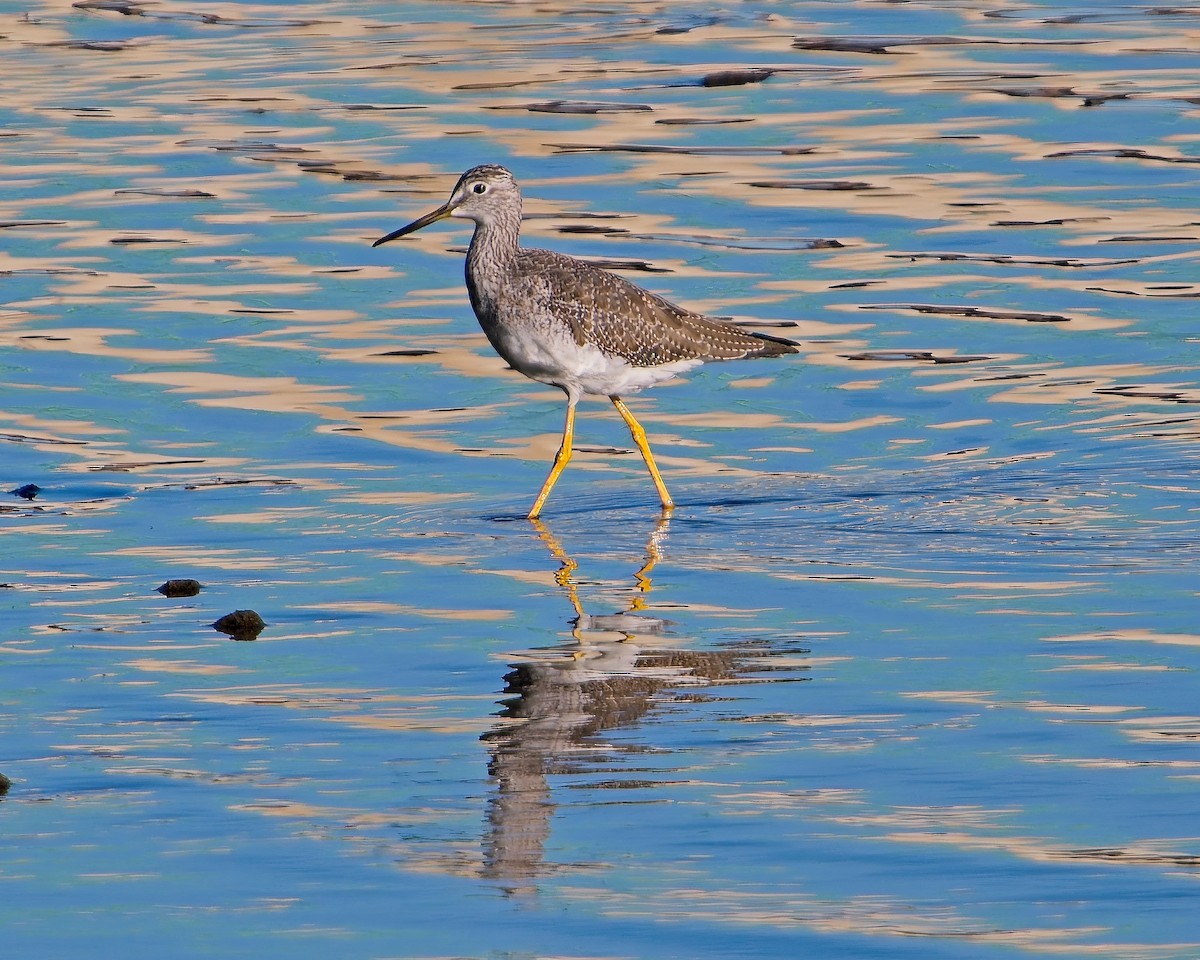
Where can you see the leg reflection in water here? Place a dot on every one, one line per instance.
(559, 702)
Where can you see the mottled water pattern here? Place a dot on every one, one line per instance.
(911, 671)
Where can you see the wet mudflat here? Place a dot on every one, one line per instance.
(910, 672)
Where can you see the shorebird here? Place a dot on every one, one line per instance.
(573, 325)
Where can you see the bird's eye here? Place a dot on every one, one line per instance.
(480, 188)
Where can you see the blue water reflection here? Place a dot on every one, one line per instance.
(910, 671)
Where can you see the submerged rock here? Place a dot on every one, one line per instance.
(241, 624)
(180, 588)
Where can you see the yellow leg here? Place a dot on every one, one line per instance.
(561, 459)
(639, 437)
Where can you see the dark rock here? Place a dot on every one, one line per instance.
(241, 624)
(180, 588)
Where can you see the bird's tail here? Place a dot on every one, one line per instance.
(772, 346)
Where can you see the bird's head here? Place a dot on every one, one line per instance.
(484, 194)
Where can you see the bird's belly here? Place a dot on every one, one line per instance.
(578, 369)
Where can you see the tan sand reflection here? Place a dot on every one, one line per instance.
(186, 667)
(873, 915)
(94, 342)
(1136, 635)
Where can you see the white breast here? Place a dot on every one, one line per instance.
(550, 355)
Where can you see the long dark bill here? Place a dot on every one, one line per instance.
(432, 217)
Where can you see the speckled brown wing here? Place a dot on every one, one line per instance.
(623, 320)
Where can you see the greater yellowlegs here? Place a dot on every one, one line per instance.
(573, 325)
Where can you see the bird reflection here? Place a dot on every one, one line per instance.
(557, 704)
(629, 623)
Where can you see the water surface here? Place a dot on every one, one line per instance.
(909, 672)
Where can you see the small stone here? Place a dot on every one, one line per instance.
(180, 588)
(241, 624)
(5, 783)
(27, 492)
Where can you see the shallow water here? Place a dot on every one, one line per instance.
(909, 672)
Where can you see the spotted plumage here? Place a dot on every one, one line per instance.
(571, 324)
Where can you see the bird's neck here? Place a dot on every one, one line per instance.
(493, 247)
